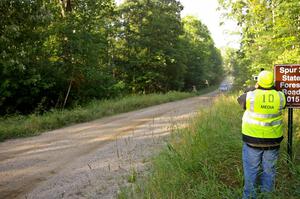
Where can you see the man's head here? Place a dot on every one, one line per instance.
(265, 79)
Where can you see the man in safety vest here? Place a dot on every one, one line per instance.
(262, 134)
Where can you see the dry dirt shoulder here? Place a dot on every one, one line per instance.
(90, 160)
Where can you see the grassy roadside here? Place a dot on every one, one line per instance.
(23, 126)
(204, 161)
(207, 90)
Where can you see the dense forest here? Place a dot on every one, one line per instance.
(270, 35)
(59, 53)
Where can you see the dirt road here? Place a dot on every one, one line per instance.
(90, 160)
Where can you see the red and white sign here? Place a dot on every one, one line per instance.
(287, 80)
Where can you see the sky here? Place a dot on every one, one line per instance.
(206, 11)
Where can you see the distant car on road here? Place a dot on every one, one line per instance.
(223, 88)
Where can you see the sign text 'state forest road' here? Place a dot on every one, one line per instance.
(287, 80)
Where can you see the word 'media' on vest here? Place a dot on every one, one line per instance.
(267, 107)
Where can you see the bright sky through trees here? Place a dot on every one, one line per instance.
(206, 11)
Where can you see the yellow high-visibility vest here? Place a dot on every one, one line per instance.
(263, 119)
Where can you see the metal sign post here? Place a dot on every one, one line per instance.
(287, 80)
(290, 134)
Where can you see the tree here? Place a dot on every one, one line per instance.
(204, 61)
(269, 31)
(52, 50)
(147, 41)
(56, 54)
(21, 41)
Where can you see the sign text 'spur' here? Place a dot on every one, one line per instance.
(287, 80)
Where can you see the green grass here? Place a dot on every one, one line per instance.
(204, 161)
(23, 126)
(207, 90)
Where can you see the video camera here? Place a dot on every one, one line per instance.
(255, 77)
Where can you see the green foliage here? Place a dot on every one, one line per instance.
(46, 48)
(21, 57)
(203, 60)
(159, 51)
(238, 66)
(204, 160)
(270, 33)
(24, 126)
(56, 54)
(147, 45)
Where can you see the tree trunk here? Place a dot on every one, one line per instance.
(65, 6)
(62, 7)
(68, 6)
(68, 92)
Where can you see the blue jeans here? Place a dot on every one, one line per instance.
(258, 163)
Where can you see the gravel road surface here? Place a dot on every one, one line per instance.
(93, 159)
